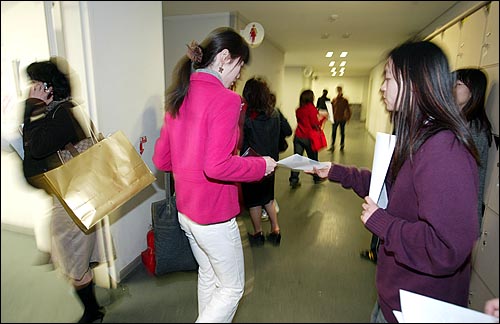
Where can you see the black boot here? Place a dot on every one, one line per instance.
(92, 311)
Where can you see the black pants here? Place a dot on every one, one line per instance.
(342, 132)
(299, 146)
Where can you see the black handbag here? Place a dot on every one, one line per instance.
(172, 249)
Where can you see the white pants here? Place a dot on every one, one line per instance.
(221, 272)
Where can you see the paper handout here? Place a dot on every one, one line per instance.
(329, 108)
(301, 163)
(384, 147)
(417, 308)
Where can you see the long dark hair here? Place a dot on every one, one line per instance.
(425, 104)
(474, 111)
(218, 40)
(258, 96)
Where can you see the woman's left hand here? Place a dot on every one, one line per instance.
(369, 207)
(38, 91)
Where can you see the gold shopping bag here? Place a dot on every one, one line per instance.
(99, 180)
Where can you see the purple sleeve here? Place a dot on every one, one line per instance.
(349, 177)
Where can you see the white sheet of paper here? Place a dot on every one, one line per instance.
(384, 147)
(302, 163)
(329, 108)
(399, 316)
(13, 139)
(416, 308)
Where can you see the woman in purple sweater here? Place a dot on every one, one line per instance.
(198, 144)
(429, 226)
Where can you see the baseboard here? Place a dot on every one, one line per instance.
(129, 268)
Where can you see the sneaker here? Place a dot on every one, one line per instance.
(256, 239)
(341, 147)
(331, 149)
(264, 217)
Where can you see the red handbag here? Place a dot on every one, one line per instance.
(318, 140)
(148, 255)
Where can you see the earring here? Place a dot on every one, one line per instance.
(221, 69)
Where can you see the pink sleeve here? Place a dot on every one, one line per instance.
(161, 154)
(221, 163)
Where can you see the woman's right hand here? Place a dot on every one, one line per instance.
(270, 165)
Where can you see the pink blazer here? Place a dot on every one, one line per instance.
(199, 147)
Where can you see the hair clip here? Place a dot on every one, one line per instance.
(194, 52)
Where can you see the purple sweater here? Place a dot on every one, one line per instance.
(430, 224)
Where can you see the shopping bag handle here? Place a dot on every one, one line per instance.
(170, 198)
(88, 123)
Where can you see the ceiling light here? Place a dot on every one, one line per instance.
(334, 73)
(343, 54)
(332, 63)
(333, 69)
(342, 70)
(329, 54)
(343, 63)
(346, 35)
(333, 17)
(325, 35)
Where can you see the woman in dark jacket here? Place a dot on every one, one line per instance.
(261, 132)
(49, 125)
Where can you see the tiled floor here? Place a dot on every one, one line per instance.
(316, 275)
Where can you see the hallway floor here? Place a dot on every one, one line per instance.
(315, 275)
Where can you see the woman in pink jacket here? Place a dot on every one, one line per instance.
(198, 144)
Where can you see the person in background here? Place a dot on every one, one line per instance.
(429, 228)
(49, 125)
(198, 144)
(308, 119)
(285, 131)
(341, 115)
(321, 103)
(491, 307)
(261, 134)
(470, 95)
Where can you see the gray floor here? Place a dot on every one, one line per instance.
(316, 275)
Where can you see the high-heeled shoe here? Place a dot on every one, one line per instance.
(93, 317)
(256, 239)
(274, 238)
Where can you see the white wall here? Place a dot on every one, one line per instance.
(24, 38)
(292, 88)
(126, 52)
(266, 60)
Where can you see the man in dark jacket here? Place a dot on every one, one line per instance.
(341, 114)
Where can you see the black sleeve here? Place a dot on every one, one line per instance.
(47, 135)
